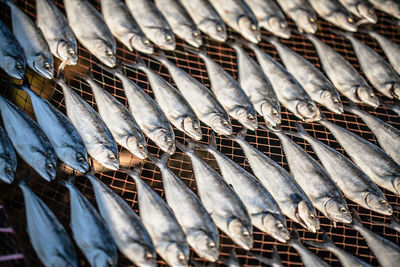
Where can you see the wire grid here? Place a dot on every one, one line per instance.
(57, 198)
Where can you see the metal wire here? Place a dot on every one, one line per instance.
(56, 197)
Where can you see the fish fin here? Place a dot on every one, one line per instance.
(164, 158)
(69, 181)
(352, 107)
(235, 42)
(161, 56)
(162, 161)
(270, 39)
(316, 244)
(117, 69)
(213, 141)
(199, 52)
(326, 241)
(301, 132)
(239, 136)
(295, 237)
(89, 76)
(275, 254)
(183, 148)
(356, 218)
(262, 259)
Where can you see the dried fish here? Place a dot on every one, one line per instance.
(8, 158)
(391, 7)
(274, 261)
(301, 12)
(361, 8)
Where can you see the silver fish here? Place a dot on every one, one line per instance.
(8, 158)
(394, 224)
(269, 17)
(89, 230)
(124, 27)
(201, 232)
(91, 30)
(354, 184)
(48, 237)
(229, 93)
(391, 7)
(147, 114)
(301, 12)
(274, 261)
(57, 32)
(12, 57)
(284, 189)
(346, 259)
(29, 140)
(372, 160)
(343, 75)
(222, 203)
(231, 260)
(264, 211)
(180, 21)
(119, 120)
(159, 220)
(30, 37)
(394, 107)
(152, 23)
(65, 139)
(200, 98)
(381, 76)
(239, 17)
(97, 138)
(318, 87)
(334, 12)
(257, 86)
(127, 230)
(206, 18)
(361, 8)
(288, 90)
(387, 253)
(172, 103)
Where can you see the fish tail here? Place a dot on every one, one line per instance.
(352, 108)
(341, 33)
(262, 259)
(239, 136)
(270, 39)
(236, 43)
(69, 181)
(356, 218)
(213, 141)
(295, 237)
(133, 173)
(301, 132)
(89, 76)
(159, 161)
(200, 52)
(327, 242)
(161, 57)
(275, 254)
(185, 149)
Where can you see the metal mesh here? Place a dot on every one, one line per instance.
(57, 197)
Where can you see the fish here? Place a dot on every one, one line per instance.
(334, 12)
(48, 237)
(175, 107)
(274, 261)
(386, 252)
(63, 136)
(206, 18)
(395, 107)
(343, 75)
(8, 158)
(12, 57)
(30, 142)
(264, 211)
(29, 36)
(89, 229)
(200, 230)
(391, 7)
(237, 15)
(124, 27)
(372, 160)
(257, 86)
(353, 182)
(394, 224)
(291, 198)
(231, 260)
(388, 136)
(381, 76)
(222, 203)
(58, 34)
(125, 226)
(118, 119)
(180, 21)
(98, 140)
(147, 113)
(161, 223)
(301, 12)
(317, 86)
(289, 91)
(207, 108)
(269, 17)
(152, 23)
(362, 9)
(229, 93)
(91, 31)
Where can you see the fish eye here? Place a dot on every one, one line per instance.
(49, 166)
(343, 210)
(219, 28)
(18, 67)
(81, 159)
(383, 202)
(10, 170)
(246, 233)
(251, 118)
(350, 20)
(149, 256)
(112, 157)
(71, 52)
(146, 42)
(110, 53)
(211, 244)
(141, 147)
(335, 100)
(196, 33)
(225, 123)
(181, 257)
(168, 38)
(253, 27)
(312, 216)
(372, 95)
(196, 127)
(275, 112)
(283, 25)
(312, 20)
(47, 66)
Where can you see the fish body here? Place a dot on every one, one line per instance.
(48, 237)
(12, 57)
(127, 230)
(8, 158)
(391, 7)
(269, 17)
(206, 18)
(343, 75)
(301, 12)
(54, 26)
(91, 30)
(361, 8)
(97, 138)
(29, 140)
(124, 27)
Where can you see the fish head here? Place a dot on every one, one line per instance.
(77, 160)
(221, 125)
(306, 23)
(141, 255)
(137, 147)
(241, 234)
(192, 36)
(176, 254)
(307, 216)
(367, 12)
(346, 22)
(67, 53)
(308, 111)
(271, 114)
(106, 157)
(338, 211)
(7, 171)
(102, 259)
(44, 66)
(192, 128)
(249, 29)
(332, 101)
(395, 90)
(279, 27)
(378, 204)
(142, 44)
(215, 30)
(165, 39)
(15, 67)
(247, 117)
(165, 140)
(47, 169)
(275, 228)
(366, 95)
(205, 246)
(396, 184)
(394, 8)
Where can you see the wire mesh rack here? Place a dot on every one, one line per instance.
(56, 197)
